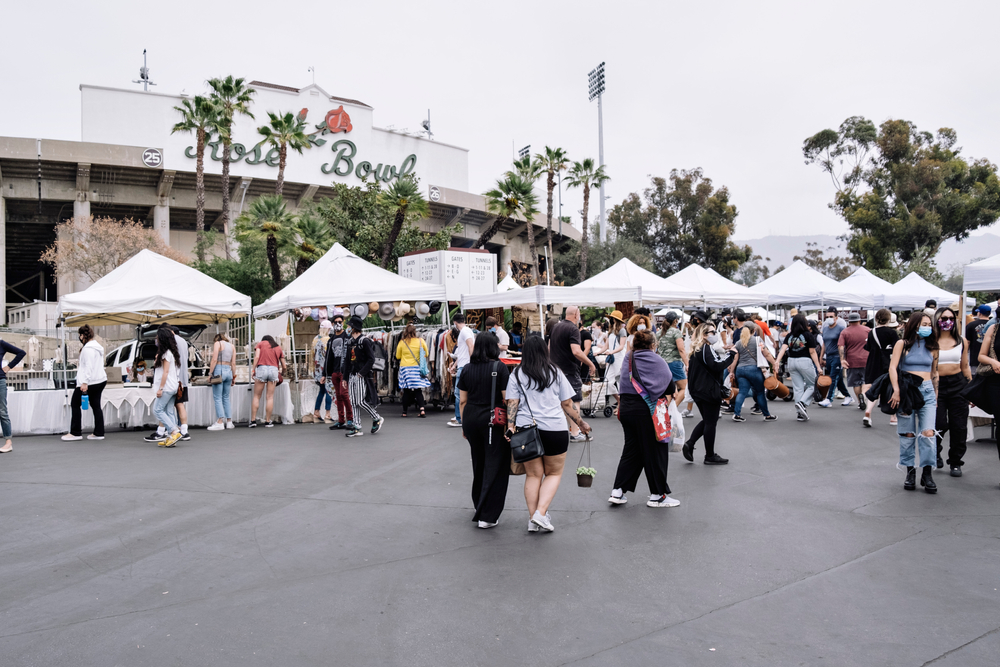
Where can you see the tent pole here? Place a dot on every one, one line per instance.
(295, 366)
(62, 338)
(965, 295)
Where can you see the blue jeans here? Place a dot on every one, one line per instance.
(458, 411)
(4, 416)
(922, 420)
(221, 392)
(163, 408)
(319, 398)
(835, 371)
(751, 380)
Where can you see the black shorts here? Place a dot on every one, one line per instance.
(554, 442)
(577, 384)
(182, 395)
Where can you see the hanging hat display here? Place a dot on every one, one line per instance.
(403, 308)
(360, 310)
(314, 313)
(373, 306)
(434, 307)
(422, 309)
(400, 311)
(336, 311)
(323, 313)
(386, 311)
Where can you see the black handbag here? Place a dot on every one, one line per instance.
(525, 442)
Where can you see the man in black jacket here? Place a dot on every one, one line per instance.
(334, 372)
(359, 360)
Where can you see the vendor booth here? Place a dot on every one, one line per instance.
(864, 283)
(912, 292)
(716, 290)
(655, 289)
(802, 284)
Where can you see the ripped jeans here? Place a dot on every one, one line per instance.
(914, 425)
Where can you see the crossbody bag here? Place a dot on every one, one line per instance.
(525, 442)
(660, 411)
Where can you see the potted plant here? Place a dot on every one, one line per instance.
(585, 476)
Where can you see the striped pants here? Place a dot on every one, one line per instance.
(357, 387)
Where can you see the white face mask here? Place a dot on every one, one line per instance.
(712, 338)
(829, 321)
(641, 327)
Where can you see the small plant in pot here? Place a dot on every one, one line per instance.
(585, 476)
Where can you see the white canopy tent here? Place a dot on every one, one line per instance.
(715, 289)
(912, 292)
(151, 289)
(865, 284)
(655, 289)
(545, 294)
(507, 284)
(800, 283)
(983, 276)
(341, 277)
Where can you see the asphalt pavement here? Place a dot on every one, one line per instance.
(297, 546)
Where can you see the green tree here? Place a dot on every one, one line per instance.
(903, 192)
(585, 175)
(284, 132)
(403, 195)
(250, 274)
(268, 220)
(753, 271)
(232, 96)
(603, 255)
(529, 170)
(311, 238)
(836, 266)
(512, 197)
(683, 221)
(199, 116)
(552, 161)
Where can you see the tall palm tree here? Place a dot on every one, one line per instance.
(231, 96)
(529, 170)
(268, 219)
(403, 195)
(512, 196)
(552, 161)
(284, 132)
(312, 237)
(198, 115)
(585, 175)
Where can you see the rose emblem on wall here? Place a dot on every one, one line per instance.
(338, 120)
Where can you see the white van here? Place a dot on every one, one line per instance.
(127, 356)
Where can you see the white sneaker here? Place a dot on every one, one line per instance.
(662, 501)
(95, 437)
(847, 401)
(542, 522)
(687, 414)
(579, 437)
(454, 423)
(825, 403)
(620, 499)
(800, 408)
(230, 425)
(839, 395)
(866, 421)
(532, 528)
(216, 427)
(487, 524)
(69, 436)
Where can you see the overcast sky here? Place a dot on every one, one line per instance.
(732, 87)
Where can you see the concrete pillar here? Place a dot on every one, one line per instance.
(81, 209)
(505, 257)
(161, 221)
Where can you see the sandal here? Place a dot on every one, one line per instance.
(422, 415)
(403, 415)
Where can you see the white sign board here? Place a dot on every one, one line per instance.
(460, 271)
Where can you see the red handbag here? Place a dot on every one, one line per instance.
(499, 415)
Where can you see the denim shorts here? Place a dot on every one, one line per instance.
(266, 374)
(677, 370)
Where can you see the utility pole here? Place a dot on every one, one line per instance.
(595, 79)
(144, 75)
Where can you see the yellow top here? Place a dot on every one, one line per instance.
(408, 351)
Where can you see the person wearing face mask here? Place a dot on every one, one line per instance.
(803, 364)
(670, 346)
(954, 374)
(333, 376)
(913, 374)
(881, 340)
(831, 330)
(494, 328)
(319, 346)
(91, 378)
(706, 366)
(854, 356)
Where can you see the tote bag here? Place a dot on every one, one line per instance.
(661, 411)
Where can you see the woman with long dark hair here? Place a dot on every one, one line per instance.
(539, 393)
(705, 385)
(91, 379)
(410, 380)
(954, 374)
(803, 363)
(645, 379)
(268, 364)
(490, 450)
(914, 358)
(166, 381)
(881, 339)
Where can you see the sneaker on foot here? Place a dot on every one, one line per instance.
(7, 447)
(715, 460)
(800, 418)
(339, 426)
(185, 436)
(542, 522)
(755, 410)
(230, 424)
(155, 437)
(662, 501)
(688, 451)
(252, 424)
(620, 499)
(354, 432)
(737, 418)
(825, 403)
(800, 408)
(687, 414)
(487, 524)
(847, 401)
(172, 440)
(69, 436)
(839, 395)
(579, 437)
(95, 437)
(771, 418)
(216, 427)
(956, 471)
(866, 421)
(454, 423)
(268, 424)
(533, 527)
(378, 424)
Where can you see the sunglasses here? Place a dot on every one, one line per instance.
(946, 319)
(709, 332)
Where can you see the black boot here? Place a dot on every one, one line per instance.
(911, 478)
(688, 451)
(927, 481)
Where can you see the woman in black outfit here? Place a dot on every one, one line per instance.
(881, 339)
(705, 370)
(490, 449)
(992, 342)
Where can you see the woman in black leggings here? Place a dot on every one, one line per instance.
(705, 371)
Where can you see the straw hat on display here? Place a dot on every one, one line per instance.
(360, 310)
(386, 311)
(422, 309)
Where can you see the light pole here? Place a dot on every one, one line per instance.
(595, 80)
(144, 74)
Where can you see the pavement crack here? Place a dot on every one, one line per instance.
(959, 648)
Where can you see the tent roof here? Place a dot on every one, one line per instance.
(714, 288)
(913, 292)
(983, 276)
(544, 294)
(340, 277)
(151, 289)
(655, 289)
(800, 283)
(507, 284)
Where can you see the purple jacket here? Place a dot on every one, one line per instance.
(653, 370)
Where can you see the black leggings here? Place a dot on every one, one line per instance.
(414, 397)
(94, 393)
(706, 427)
(642, 452)
(952, 415)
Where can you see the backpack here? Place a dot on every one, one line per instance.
(379, 357)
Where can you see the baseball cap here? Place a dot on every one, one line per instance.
(984, 309)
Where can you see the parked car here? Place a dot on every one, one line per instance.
(139, 355)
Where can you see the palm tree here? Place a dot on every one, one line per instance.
(231, 96)
(198, 115)
(529, 170)
(553, 160)
(404, 196)
(312, 238)
(267, 219)
(584, 175)
(284, 132)
(512, 196)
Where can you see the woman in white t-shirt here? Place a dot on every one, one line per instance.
(165, 383)
(547, 398)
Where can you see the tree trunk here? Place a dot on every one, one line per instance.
(199, 189)
(491, 232)
(390, 243)
(282, 156)
(301, 266)
(533, 251)
(272, 259)
(226, 145)
(551, 183)
(583, 237)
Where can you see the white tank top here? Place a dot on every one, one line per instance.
(952, 356)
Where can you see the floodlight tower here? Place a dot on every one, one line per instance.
(595, 80)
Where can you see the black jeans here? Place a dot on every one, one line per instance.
(706, 427)
(414, 397)
(952, 415)
(94, 393)
(642, 452)
(490, 469)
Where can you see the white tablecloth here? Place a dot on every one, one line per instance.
(46, 412)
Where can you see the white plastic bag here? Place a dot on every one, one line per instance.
(676, 428)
